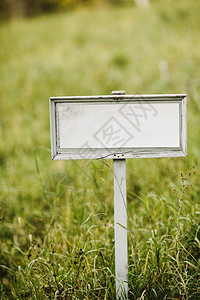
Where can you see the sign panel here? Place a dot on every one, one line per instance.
(118, 126)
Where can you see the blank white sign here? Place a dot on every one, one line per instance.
(118, 126)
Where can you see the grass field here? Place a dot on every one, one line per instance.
(56, 217)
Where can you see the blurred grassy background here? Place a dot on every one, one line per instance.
(44, 204)
(28, 8)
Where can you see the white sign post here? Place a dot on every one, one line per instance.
(117, 127)
(120, 220)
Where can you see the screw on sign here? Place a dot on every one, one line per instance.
(118, 127)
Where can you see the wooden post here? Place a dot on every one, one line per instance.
(120, 221)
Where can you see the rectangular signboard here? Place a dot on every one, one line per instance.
(118, 126)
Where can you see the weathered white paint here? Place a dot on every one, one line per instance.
(120, 220)
(89, 122)
(118, 126)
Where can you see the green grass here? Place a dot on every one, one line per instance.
(56, 226)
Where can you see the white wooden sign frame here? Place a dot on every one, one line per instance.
(59, 153)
